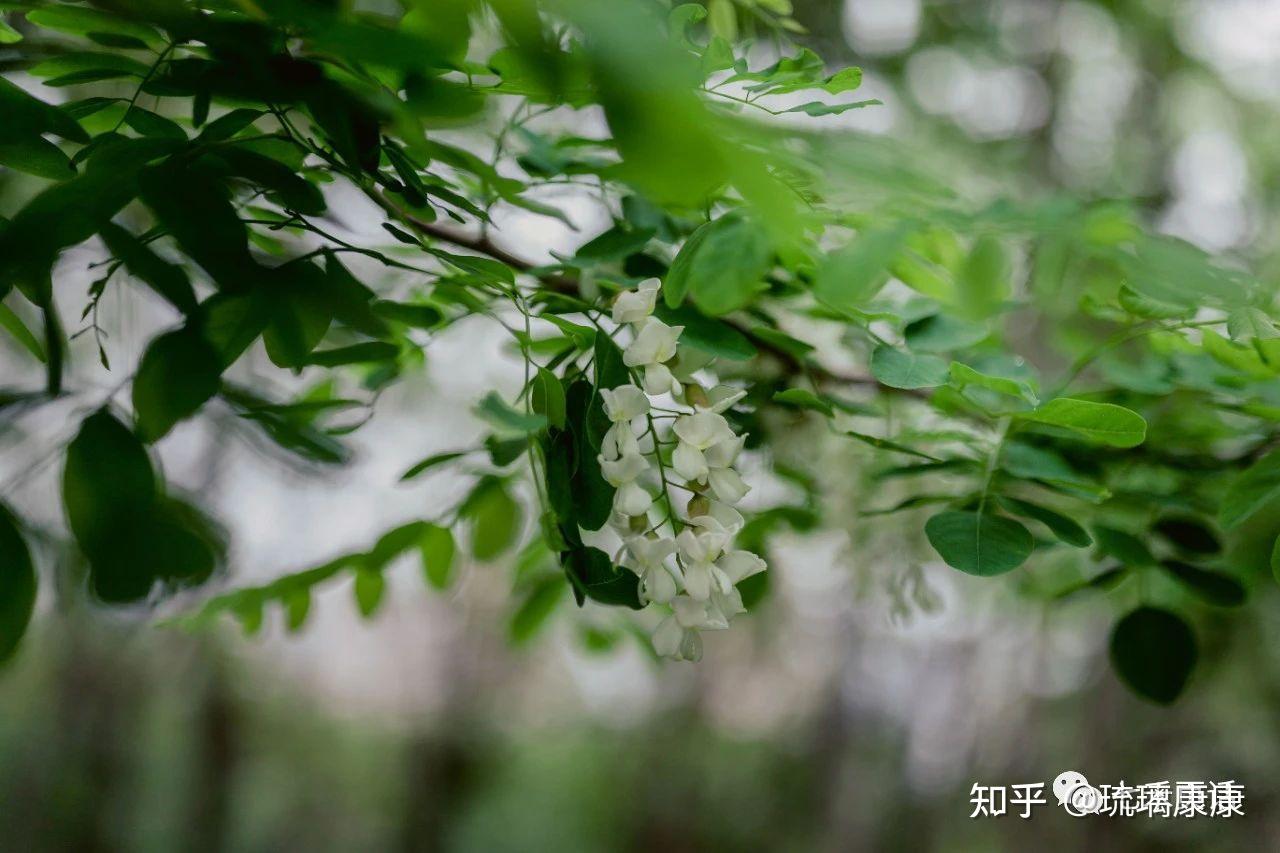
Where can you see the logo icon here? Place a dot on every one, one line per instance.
(1075, 794)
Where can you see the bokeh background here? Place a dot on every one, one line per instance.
(852, 710)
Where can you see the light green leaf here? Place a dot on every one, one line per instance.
(438, 551)
(1102, 423)
(502, 416)
(962, 375)
(1252, 490)
(369, 588)
(850, 276)
(803, 399)
(901, 369)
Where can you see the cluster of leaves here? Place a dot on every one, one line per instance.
(197, 145)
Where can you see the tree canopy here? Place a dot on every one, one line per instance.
(1047, 389)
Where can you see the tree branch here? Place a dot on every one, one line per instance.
(566, 284)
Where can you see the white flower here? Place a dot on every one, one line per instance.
(721, 398)
(631, 499)
(647, 558)
(689, 462)
(720, 518)
(698, 552)
(624, 403)
(726, 605)
(659, 380)
(619, 441)
(633, 306)
(624, 469)
(677, 636)
(654, 343)
(703, 429)
(726, 485)
(740, 565)
(724, 453)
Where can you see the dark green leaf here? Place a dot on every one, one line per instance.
(166, 279)
(430, 462)
(982, 545)
(355, 354)
(17, 585)
(1062, 527)
(1214, 587)
(1154, 652)
(1189, 534)
(178, 373)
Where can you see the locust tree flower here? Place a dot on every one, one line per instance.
(648, 559)
(634, 306)
(624, 403)
(619, 441)
(699, 549)
(625, 469)
(654, 345)
(677, 636)
(632, 499)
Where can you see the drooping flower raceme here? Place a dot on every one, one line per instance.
(682, 555)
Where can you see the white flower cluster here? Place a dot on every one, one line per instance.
(686, 560)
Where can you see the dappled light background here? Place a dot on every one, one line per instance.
(852, 709)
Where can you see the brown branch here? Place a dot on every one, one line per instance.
(567, 284)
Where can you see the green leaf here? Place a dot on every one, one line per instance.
(1251, 323)
(804, 399)
(1252, 490)
(12, 323)
(1149, 307)
(850, 276)
(1214, 587)
(548, 398)
(80, 21)
(981, 545)
(963, 376)
(611, 370)
(722, 266)
(17, 585)
(297, 605)
(1102, 423)
(355, 354)
(901, 369)
(178, 373)
(495, 519)
(818, 108)
(28, 116)
(36, 156)
(943, 333)
(430, 462)
(417, 316)
(296, 192)
(537, 606)
(369, 588)
(131, 534)
(438, 550)
(499, 414)
(1124, 546)
(708, 334)
(594, 576)
(1188, 534)
(148, 123)
(1154, 652)
(1065, 529)
(983, 281)
(166, 279)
